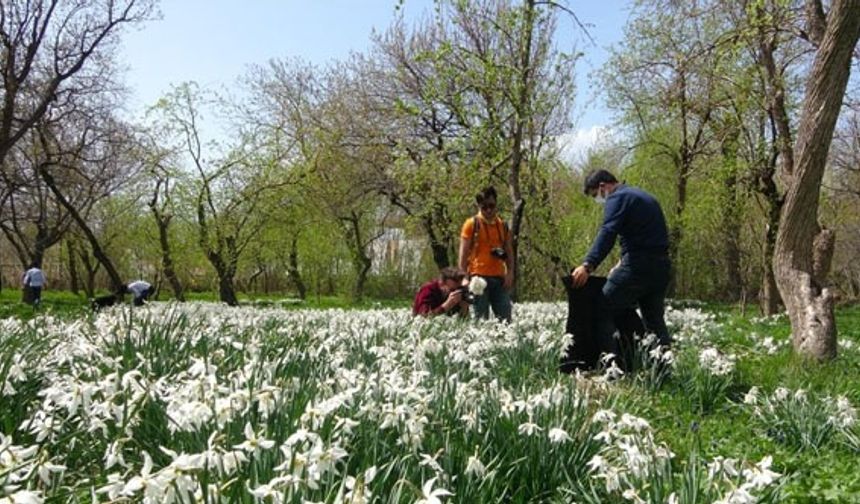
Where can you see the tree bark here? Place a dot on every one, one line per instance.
(223, 255)
(523, 114)
(360, 260)
(73, 268)
(803, 248)
(226, 271)
(162, 222)
(226, 291)
(770, 300)
(731, 224)
(438, 247)
(91, 270)
(782, 152)
(293, 272)
(99, 253)
(167, 260)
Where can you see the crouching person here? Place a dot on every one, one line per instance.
(442, 295)
(140, 290)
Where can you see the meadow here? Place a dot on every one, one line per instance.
(199, 402)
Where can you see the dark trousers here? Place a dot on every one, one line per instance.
(494, 295)
(140, 300)
(641, 283)
(32, 295)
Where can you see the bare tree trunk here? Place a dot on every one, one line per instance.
(91, 270)
(293, 272)
(226, 271)
(733, 284)
(523, 116)
(438, 247)
(360, 260)
(223, 255)
(226, 290)
(163, 223)
(167, 265)
(803, 248)
(73, 268)
(770, 300)
(98, 252)
(252, 280)
(676, 231)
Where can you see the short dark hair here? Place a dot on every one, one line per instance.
(485, 194)
(451, 273)
(597, 177)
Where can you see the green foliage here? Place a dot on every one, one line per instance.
(398, 139)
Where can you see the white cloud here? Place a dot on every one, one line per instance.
(574, 145)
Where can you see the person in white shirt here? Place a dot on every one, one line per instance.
(33, 280)
(141, 290)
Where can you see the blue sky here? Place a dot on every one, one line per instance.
(212, 42)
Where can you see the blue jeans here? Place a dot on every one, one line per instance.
(496, 295)
(640, 282)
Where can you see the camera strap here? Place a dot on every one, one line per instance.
(476, 223)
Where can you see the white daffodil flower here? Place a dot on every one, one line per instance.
(253, 443)
(558, 436)
(429, 495)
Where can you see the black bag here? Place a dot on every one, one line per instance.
(99, 302)
(584, 306)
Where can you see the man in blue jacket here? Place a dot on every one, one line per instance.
(642, 275)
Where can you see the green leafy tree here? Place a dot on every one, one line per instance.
(230, 203)
(665, 83)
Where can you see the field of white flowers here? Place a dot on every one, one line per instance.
(205, 403)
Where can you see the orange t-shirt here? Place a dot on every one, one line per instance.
(489, 236)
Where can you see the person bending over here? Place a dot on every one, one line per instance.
(442, 295)
(140, 290)
(642, 275)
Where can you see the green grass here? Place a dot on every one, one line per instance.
(66, 304)
(827, 475)
(59, 303)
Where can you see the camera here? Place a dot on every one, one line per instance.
(467, 294)
(499, 253)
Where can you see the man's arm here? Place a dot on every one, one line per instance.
(426, 309)
(465, 251)
(600, 249)
(613, 217)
